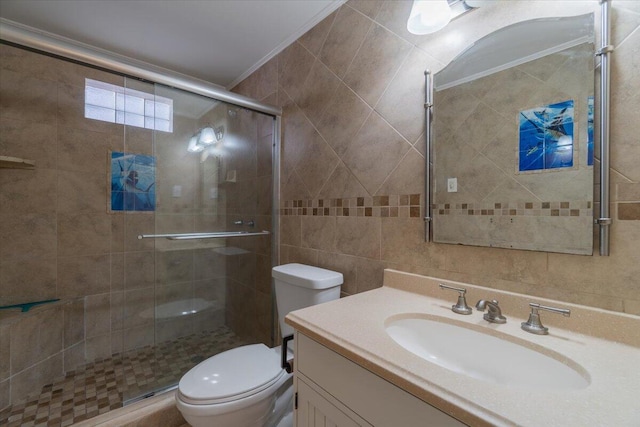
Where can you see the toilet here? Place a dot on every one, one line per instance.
(246, 386)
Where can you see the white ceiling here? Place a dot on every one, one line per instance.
(221, 41)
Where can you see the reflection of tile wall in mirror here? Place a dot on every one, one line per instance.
(500, 157)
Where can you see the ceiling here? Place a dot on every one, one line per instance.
(220, 41)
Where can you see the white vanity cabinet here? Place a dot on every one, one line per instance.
(334, 391)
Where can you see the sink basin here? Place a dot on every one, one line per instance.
(484, 357)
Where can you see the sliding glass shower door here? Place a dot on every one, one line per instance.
(198, 201)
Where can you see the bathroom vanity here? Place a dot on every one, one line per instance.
(356, 366)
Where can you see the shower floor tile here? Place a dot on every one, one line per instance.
(104, 384)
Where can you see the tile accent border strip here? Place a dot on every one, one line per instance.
(392, 206)
(573, 208)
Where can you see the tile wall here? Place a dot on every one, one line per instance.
(351, 90)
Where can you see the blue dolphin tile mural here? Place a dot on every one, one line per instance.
(133, 182)
(546, 137)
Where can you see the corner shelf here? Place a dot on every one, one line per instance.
(7, 162)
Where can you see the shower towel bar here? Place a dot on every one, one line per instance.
(193, 236)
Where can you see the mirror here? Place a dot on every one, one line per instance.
(513, 139)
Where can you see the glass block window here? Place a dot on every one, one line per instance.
(116, 104)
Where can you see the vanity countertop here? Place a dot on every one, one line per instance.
(606, 344)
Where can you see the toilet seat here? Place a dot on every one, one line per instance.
(231, 375)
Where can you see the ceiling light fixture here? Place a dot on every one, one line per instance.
(204, 138)
(207, 136)
(429, 16)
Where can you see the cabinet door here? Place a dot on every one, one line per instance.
(316, 411)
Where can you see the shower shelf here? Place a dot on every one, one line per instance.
(24, 307)
(195, 236)
(7, 162)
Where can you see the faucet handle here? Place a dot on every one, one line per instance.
(461, 306)
(534, 325)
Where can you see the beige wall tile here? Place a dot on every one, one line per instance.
(36, 338)
(345, 264)
(27, 98)
(403, 243)
(628, 192)
(403, 179)
(313, 39)
(173, 267)
(358, 236)
(344, 116)
(30, 192)
(73, 313)
(87, 151)
(289, 254)
(74, 357)
(341, 184)
(98, 347)
(86, 233)
(5, 354)
(317, 164)
(81, 192)
(376, 63)
(139, 270)
(27, 236)
(138, 337)
(318, 232)
(366, 7)
(370, 274)
(343, 41)
(138, 309)
(97, 316)
(407, 89)
(84, 275)
(35, 377)
(5, 393)
(295, 63)
(117, 311)
(375, 152)
(317, 91)
(629, 211)
(33, 141)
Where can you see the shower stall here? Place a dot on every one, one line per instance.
(139, 207)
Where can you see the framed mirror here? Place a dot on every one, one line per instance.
(513, 139)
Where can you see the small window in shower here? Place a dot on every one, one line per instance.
(116, 104)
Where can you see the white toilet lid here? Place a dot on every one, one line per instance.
(231, 375)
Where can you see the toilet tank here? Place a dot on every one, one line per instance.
(298, 286)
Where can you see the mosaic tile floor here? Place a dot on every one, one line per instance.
(101, 386)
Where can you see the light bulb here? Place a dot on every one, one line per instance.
(193, 146)
(207, 136)
(428, 16)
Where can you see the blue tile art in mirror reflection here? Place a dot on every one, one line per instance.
(546, 137)
(133, 182)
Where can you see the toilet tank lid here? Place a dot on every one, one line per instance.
(307, 276)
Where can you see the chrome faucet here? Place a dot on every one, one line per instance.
(493, 314)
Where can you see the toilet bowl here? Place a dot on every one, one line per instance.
(246, 386)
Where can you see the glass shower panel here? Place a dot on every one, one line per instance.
(211, 173)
